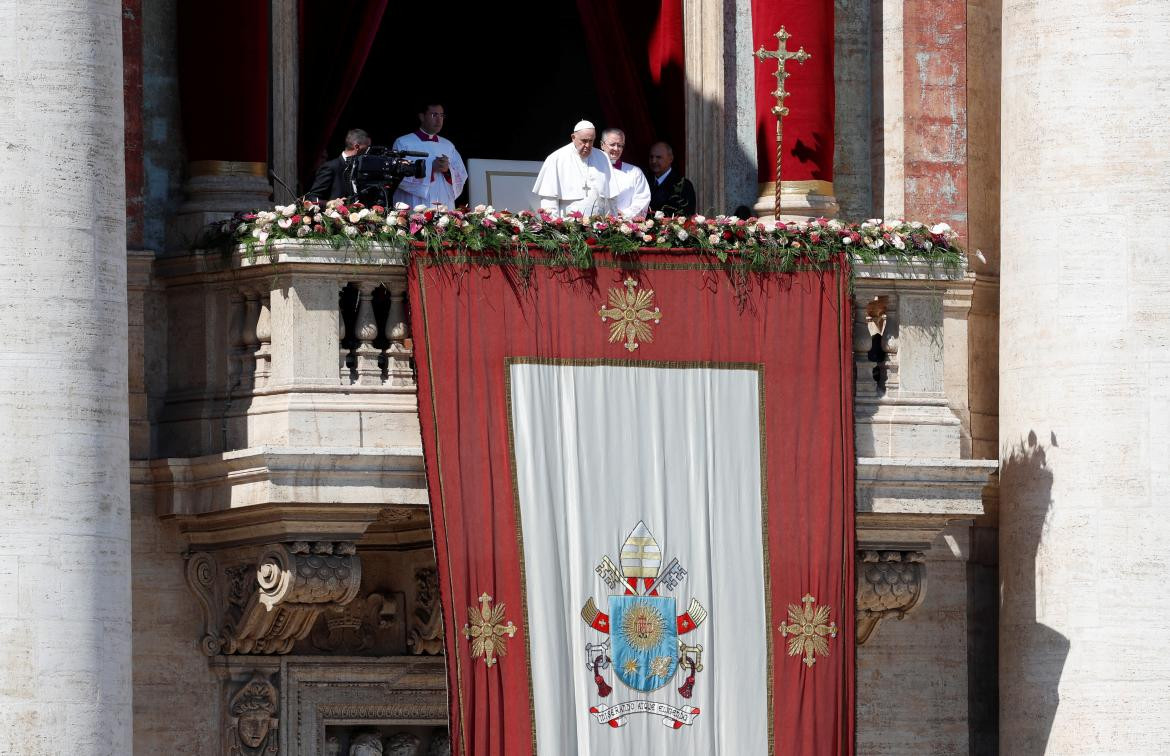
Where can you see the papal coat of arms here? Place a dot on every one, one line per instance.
(643, 636)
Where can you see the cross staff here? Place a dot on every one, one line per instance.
(782, 56)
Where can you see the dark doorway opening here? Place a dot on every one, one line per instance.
(513, 77)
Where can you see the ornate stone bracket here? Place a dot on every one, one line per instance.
(889, 583)
(266, 605)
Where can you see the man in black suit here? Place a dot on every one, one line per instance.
(333, 178)
(671, 193)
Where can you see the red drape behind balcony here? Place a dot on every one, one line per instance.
(336, 39)
(808, 128)
(636, 50)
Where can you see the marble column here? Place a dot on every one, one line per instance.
(64, 453)
(1084, 401)
(720, 111)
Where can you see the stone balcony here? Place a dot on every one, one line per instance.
(290, 412)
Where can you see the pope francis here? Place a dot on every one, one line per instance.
(577, 178)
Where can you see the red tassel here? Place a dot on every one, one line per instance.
(688, 686)
(603, 688)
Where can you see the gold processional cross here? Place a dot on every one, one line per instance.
(782, 56)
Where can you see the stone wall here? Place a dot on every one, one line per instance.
(912, 673)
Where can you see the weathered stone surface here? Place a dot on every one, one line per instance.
(1084, 362)
(64, 521)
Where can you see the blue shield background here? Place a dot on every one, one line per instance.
(638, 675)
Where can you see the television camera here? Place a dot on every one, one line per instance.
(378, 171)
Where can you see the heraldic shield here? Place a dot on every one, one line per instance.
(645, 640)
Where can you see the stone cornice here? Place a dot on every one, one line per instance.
(903, 504)
(280, 493)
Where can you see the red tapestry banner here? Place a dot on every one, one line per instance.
(808, 127)
(641, 486)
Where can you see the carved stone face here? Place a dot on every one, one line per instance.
(253, 728)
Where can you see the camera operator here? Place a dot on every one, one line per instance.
(445, 175)
(333, 178)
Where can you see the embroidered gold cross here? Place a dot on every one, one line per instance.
(782, 56)
(485, 631)
(808, 629)
(630, 312)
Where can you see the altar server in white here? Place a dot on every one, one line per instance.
(445, 173)
(577, 178)
(633, 197)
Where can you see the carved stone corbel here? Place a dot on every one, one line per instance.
(888, 583)
(264, 604)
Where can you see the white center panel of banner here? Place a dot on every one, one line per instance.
(639, 501)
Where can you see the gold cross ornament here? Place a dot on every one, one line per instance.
(782, 55)
(485, 630)
(808, 628)
(631, 312)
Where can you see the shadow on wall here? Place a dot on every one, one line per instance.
(1031, 654)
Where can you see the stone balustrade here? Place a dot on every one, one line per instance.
(303, 346)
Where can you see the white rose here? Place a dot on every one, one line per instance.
(713, 238)
(262, 235)
(401, 206)
(700, 219)
(304, 231)
(443, 221)
(284, 222)
(897, 242)
(940, 228)
(351, 231)
(288, 210)
(682, 234)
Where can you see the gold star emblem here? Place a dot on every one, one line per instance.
(808, 629)
(631, 313)
(660, 666)
(631, 666)
(485, 631)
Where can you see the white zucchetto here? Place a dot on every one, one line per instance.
(583, 124)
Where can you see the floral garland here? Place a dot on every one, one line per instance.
(569, 240)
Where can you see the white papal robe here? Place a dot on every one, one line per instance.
(427, 190)
(633, 197)
(567, 184)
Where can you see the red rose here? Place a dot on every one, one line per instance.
(378, 209)
(814, 237)
(318, 228)
(726, 234)
(295, 219)
(591, 240)
(343, 209)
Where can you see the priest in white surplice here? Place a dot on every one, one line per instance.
(633, 197)
(577, 178)
(444, 175)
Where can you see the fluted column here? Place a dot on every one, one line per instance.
(1084, 411)
(64, 454)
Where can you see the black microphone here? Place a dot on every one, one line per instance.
(287, 188)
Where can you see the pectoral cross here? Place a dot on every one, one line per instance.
(782, 56)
